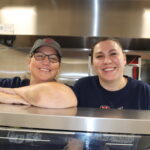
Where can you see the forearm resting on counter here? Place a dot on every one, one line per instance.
(48, 95)
(12, 99)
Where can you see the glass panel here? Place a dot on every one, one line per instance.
(21, 139)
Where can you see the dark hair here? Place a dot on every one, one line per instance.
(102, 40)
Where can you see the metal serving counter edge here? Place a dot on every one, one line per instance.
(76, 119)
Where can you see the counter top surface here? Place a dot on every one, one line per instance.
(76, 119)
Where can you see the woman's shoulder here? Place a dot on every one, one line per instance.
(138, 83)
(86, 80)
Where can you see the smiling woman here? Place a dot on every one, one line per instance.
(110, 88)
(40, 90)
(109, 63)
(43, 63)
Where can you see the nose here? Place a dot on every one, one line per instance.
(46, 60)
(107, 60)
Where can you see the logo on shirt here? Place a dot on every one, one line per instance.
(104, 107)
(108, 107)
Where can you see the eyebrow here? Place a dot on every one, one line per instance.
(100, 52)
(112, 50)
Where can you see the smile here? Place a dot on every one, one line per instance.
(45, 70)
(109, 69)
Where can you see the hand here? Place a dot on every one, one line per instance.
(12, 99)
(8, 90)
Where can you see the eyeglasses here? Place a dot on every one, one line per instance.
(53, 58)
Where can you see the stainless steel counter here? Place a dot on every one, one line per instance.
(76, 119)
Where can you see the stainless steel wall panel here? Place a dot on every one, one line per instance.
(120, 18)
(74, 65)
(13, 62)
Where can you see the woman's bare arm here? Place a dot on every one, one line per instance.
(12, 99)
(48, 95)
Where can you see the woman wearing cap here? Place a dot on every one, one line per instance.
(44, 64)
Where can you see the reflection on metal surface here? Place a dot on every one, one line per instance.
(12, 72)
(125, 18)
(90, 124)
(146, 23)
(73, 75)
(76, 119)
(69, 129)
(27, 139)
(74, 65)
(96, 24)
(13, 62)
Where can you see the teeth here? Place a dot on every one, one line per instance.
(43, 69)
(109, 69)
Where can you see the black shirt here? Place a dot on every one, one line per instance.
(135, 95)
(13, 82)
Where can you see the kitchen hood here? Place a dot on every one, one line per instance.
(119, 18)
